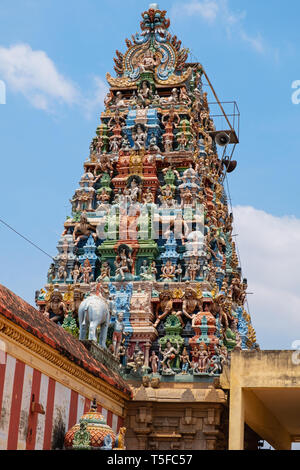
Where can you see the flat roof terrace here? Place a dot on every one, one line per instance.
(264, 391)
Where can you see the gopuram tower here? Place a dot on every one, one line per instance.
(150, 232)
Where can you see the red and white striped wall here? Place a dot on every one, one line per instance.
(22, 429)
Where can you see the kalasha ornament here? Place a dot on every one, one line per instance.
(93, 433)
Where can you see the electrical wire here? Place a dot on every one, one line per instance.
(22, 236)
(236, 244)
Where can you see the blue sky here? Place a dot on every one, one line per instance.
(54, 57)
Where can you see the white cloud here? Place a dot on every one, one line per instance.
(219, 11)
(256, 42)
(34, 74)
(95, 101)
(207, 9)
(270, 256)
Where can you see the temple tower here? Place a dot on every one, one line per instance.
(151, 230)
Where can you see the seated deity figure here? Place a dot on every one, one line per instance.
(119, 101)
(104, 272)
(134, 191)
(182, 142)
(103, 197)
(83, 229)
(145, 274)
(168, 271)
(137, 360)
(145, 94)
(195, 243)
(172, 99)
(139, 138)
(153, 143)
(166, 305)
(123, 263)
(166, 197)
(149, 61)
(55, 308)
(184, 97)
(148, 197)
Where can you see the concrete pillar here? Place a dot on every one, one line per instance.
(236, 419)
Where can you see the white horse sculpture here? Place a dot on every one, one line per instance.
(94, 311)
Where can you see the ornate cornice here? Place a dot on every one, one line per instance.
(17, 335)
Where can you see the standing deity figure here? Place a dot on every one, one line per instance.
(195, 355)
(51, 273)
(187, 198)
(87, 272)
(114, 144)
(169, 354)
(170, 121)
(178, 272)
(203, 357)
(76, 273)
(192, 269)
(118, 333)
(153, 270)
(62, 271)
(185, 361)
(153, 362)
(218, 360)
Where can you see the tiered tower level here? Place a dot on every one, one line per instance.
(150, 227)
